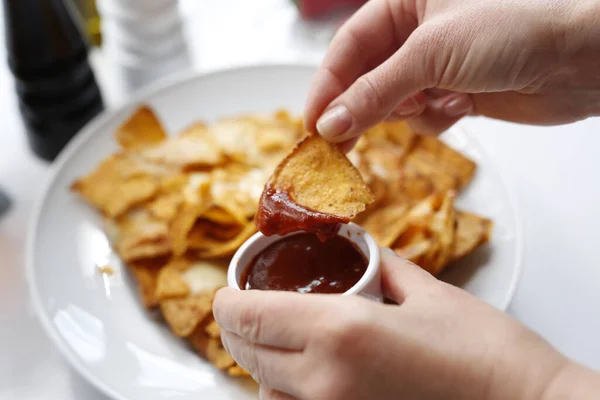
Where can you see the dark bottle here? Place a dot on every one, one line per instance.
(48, 56)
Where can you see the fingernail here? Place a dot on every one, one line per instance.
(407, 106)
(335, 122)
(458, 106)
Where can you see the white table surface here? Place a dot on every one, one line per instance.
(553, 172)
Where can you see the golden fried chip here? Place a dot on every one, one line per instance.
(471, 232)
(415, 251)
(199, 340)
(319, 177)
(385, 224)
(217, 355)
(203, 276)
(237, 189)
(140, 235)
(400, 134)
(142, 129)
(438, 154)
(439, 178)
(119, 183)
(227, 248)
(184, 314)
(146, 273)
(429, 235)
(213, 329)
(165, 206)
(186, 151)
(197, 188)
(206, 234)
(170, 284)
(182, 225)
(221, 216)
(237, 371)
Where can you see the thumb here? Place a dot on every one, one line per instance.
(401, 278)
(374, 95)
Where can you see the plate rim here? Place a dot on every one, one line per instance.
(105, 117)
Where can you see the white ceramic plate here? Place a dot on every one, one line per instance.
(97, 321)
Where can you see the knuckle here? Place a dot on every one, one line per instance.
(433, 48)
(368, 90)
(249, 323)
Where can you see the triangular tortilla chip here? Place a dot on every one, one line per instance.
(184, 314)
(386, 223)
(471, 232)
(197, 149)
(142, 129)
(442, 157)
(119, 183)
(313, 188)
(429, 235)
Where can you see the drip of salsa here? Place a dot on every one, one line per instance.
(279, 214)
(303, 263)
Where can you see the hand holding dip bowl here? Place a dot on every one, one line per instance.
(367, 284)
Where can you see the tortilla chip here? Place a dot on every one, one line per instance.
(415, 251)
(204, 276)
(237, 371)
(386, 223)
(119, 183)
(400, 134)
(142, 129)
(429, 235)
(237, 189)
(186, 151)
(213, 329)
(165, 206)
(146, 275)
(436, 153)
(184, 314)
(205, 233)
(217, 355)
(439, 178)
(227, 248)
(170, 284)
(182, 225)
(471, 232)
(140, 235)
(319, 177)
(199, 340)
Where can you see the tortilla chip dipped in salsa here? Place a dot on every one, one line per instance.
(314, 189)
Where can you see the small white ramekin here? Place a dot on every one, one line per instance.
(368, 286)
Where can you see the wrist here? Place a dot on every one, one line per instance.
(572, 381)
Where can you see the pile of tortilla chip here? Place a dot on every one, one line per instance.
(415, 180)
(177, 207)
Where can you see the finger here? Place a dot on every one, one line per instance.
(367, 39)
(270, 318)
(265, 393)
(441, 113)
(412, 106)
(374, 96)
(401, 278)
(535, 109)
(276, 368)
